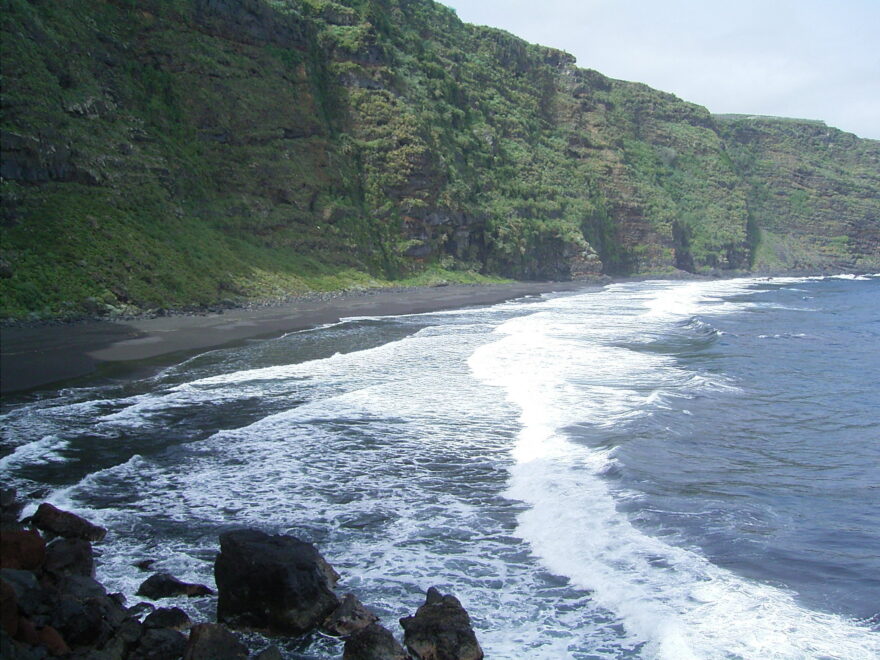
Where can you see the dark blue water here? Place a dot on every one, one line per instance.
(779, 479)
(654, 469)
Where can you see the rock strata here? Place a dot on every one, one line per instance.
(278, 584)
(441, 630)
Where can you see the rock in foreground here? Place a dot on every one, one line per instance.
(69, 525)
(441, 630)
(373, 643)
(209, 641)
(164, 585)
(274, 583)
(349, 617)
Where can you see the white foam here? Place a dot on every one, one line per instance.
(43, 451)
(672, 598)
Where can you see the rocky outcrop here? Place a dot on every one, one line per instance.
(164, 585)
(51, 604)
(209, 641)
(63, 523)
(441, 630)
(273, 583)
(373, 642)
(350, 617)
(168, 617)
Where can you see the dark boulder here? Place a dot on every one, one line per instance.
(31, 599)
(168, 617)
(52, 641)
(165, 585)
(22, 549)
(441, 630)
(143, 607)
(80, 624)
(63, 523)
(10, 508)
(268, 653)
(349, 617)
(159, 644)
(70, 556)
(8, 609)
(274, 583)
(81, 587)
(373, 643)
(211, 641)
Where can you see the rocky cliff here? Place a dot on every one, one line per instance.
(172, 152)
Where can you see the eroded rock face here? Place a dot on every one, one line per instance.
(275, 583)
(441, 630)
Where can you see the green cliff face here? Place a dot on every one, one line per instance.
(175, 152)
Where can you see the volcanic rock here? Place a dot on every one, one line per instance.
(21, 549)
(168, 617)
(373, 643)
(211, 641)
(274, 583)
(70, 556)
(165, 585)
(66, 524)
(160, 644)
(349, 617)
(441, 630)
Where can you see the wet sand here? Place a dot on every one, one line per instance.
(33, 357)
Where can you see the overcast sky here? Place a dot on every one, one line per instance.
(815, 59)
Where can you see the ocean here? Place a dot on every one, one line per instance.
(658, 469)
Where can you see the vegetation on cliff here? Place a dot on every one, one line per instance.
(174, 152)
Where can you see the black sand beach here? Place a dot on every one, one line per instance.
(32, 357)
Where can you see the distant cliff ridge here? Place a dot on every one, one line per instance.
(175, 152)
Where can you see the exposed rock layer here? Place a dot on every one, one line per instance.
(195, 151)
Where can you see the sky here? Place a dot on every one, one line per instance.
(811, 59)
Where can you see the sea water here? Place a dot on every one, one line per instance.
(645, 470)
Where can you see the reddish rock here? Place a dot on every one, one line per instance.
(66, 524)
(27, 632)
(349, 617)
(22, 549)
(8, 609)
(441, 630)
(52, 640)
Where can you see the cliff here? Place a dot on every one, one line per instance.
(175, 152)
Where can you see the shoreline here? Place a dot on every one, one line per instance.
(34, 357)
